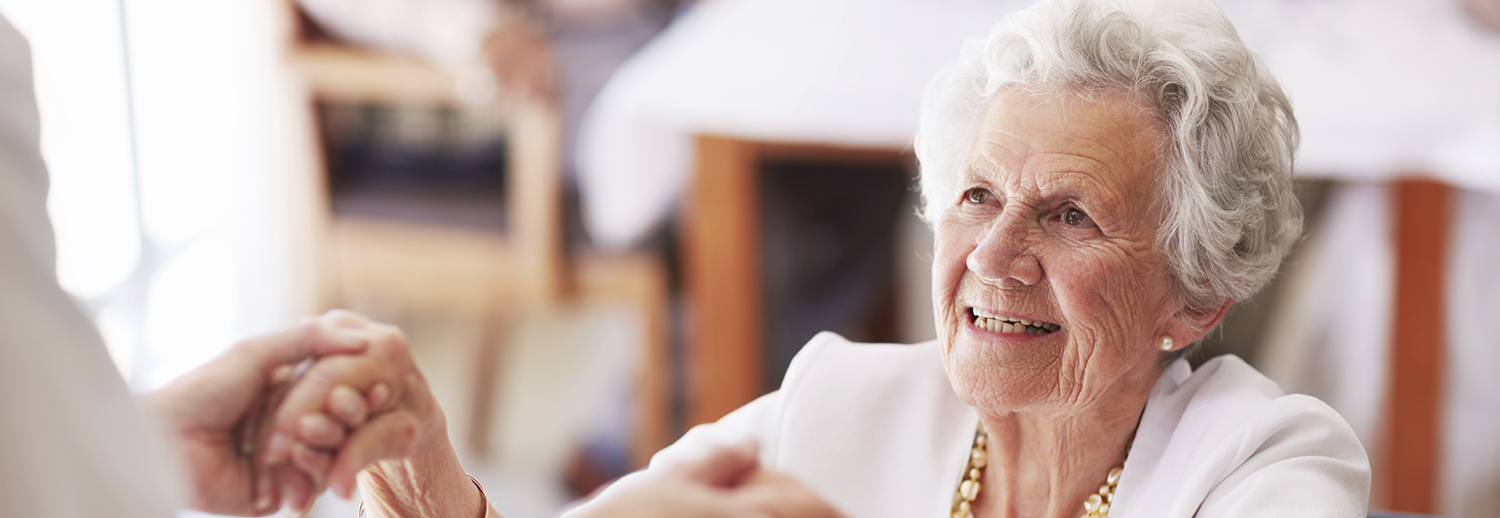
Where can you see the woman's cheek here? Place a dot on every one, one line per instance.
(952, 243)
(1092, 284)
(1114, 295)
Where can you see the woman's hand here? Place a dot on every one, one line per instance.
(782, 496)
(400, 457)
(204, 409)
(1485, 13)
(698, 489)
(727, 483)
(295, 478)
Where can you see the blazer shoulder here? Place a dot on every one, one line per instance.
(1223, 439)
(831, 357)
(1227, 390)
(876, 429)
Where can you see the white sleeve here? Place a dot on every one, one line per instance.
(443, 31)
(1307, 463)
(73, 442)
(758, 420)
(755, 421)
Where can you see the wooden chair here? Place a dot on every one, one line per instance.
(446, 268)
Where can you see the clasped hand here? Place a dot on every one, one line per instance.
(338, 402)
(276, 419)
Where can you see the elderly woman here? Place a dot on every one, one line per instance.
(1104, 180)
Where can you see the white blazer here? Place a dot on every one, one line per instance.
(876, 430)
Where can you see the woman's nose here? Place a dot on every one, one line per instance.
(1004, 252)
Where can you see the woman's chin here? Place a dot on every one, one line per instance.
(1001, 372)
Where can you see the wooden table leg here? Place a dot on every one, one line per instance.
(1422, 224)
(721, 252)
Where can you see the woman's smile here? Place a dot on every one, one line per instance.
(1008, 325)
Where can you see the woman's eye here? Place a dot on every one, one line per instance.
(1074, 217)
(977, 196)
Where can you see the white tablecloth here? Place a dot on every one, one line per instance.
(1380, 87)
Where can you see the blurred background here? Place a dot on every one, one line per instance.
(604, 221)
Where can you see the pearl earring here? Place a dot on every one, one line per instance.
(1166, 343)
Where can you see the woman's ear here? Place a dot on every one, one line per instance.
(1188, 326)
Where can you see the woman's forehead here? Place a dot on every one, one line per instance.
(1025, 137)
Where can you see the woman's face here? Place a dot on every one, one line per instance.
(1048, 291)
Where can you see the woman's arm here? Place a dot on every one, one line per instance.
(203, 410)
(400, 458)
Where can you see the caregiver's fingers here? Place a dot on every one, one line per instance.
(297, 488)
(312, 461)
(267, 490)
(345, 318)
(312, 338)
(391, 435)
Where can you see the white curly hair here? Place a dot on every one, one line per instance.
(1231, 212)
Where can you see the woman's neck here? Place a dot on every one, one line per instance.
(1048, 464)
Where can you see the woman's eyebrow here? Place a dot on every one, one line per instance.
(979, 168)
(1093, 197)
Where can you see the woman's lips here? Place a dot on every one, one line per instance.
(995, 323)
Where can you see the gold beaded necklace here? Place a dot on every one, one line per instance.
(1097, 505)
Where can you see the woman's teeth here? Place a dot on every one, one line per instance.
(999, 324)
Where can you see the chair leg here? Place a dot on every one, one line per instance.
(653, 423)
(640, 281)
(487, 361)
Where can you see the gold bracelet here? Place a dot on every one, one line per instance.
(484, 500)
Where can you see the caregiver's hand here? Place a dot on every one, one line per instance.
(203, 410)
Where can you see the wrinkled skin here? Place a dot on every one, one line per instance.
(1055, 221)
(204, 411)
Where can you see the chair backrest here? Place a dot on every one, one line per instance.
(535, 259)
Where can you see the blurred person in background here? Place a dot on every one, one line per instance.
(556, 52)
(1484, 12)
